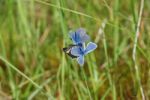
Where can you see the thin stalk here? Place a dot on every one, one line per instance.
(18, 71)
(106, 57)
(84, 75)
(135, 46)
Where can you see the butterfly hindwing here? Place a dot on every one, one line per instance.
(90, 47)
(80, 60)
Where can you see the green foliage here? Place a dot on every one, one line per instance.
(33, 65)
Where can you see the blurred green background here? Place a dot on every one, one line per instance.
(34, 67)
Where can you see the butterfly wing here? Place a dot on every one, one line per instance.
(82, 35)
(90, 47)
(79, 36)
(73, 37)
(67, 50)
(80, 60)
(76, 50)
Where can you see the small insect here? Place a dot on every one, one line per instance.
(77, 49)
(79, 37)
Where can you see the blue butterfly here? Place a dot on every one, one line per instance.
(77, 49)
(79, 37)
(80, 52)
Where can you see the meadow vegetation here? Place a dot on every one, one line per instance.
(33, 65)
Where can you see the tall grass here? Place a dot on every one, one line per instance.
(33, 65)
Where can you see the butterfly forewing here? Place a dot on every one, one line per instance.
(67, 50)
(79, 36)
